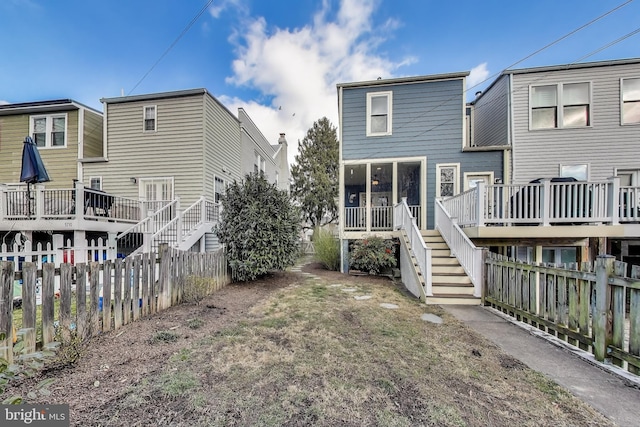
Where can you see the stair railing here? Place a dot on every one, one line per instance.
(469, 255)
(404, 220)
(148, 226)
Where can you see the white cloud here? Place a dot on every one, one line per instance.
(297, 69)
(477, 75)
(216, 9)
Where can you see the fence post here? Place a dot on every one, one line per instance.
(601, 327)
(6, 309)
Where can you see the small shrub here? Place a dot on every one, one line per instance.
(372, 254)
(71, 347)
(327, 248)
(197, 288)
(164, 336)
(195, 323)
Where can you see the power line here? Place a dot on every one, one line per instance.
(171, 46)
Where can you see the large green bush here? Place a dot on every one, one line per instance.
(372, 254)
(327, 248)
(259, 227)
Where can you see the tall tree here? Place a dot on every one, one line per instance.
(315, 175)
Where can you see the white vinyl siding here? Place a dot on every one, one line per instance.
(560, 105)
(630, 112)
(379, 117)
(49, 131)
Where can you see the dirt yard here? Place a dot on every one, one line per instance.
(298, 348)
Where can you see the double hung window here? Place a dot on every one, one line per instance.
(49, 131)
(379, 109)
(630, 101)
(562, 105)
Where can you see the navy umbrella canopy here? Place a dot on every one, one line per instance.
(33, 170)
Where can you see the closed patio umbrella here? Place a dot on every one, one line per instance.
(33, 170)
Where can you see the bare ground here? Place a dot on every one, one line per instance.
(262, 357)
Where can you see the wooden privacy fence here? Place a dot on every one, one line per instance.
(592, 306)
(134, 287)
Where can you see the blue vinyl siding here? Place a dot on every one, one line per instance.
(428, 120)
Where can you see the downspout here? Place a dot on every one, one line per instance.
(510, 165)
(344, 267)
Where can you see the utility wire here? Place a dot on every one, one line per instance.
(171, 46)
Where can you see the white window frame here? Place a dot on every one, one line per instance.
(469, 175)
(634, 176)
(144, 118)
(49, 129)
(456, 177)
(259, 163)
(623, 102)
(370, 96)
(560, 106)
(143, 182)
(217, 194)
(95, 178)
(563, 173)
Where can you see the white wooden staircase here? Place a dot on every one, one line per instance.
(450, 283)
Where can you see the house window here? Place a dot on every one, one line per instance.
(379, 108)
(149, 118)
(447, 180)
(472, 179)
(95, 182)
(579, 172)
(49, 131)
(630, 101)
(219, 188)
(259, 164)
(560, 106)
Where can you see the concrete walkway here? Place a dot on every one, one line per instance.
(615, 395)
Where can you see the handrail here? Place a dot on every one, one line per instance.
(469, 255)
(149, 225)
(403, 219)
(545, 203)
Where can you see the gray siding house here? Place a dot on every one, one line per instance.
(405, 138)
(574, 121)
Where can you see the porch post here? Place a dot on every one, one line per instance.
(545, 200)
(614, 200)
(3, 201)
(480, 189)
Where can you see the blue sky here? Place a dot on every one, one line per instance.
(281, 60)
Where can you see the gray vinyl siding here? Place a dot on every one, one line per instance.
(254, 141)
(427, 122)
(491, 115)
(605, 145)
(13, 129)
(222, 145)
(174, 150)
(92, 134)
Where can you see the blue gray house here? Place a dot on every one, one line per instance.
(407, 138)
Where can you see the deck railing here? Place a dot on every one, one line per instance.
(545, 203)
(404, 220)
(469, 255)
(40, 203)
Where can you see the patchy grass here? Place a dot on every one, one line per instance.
(313, 355)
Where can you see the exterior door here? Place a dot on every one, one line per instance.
(156, 192)
(471, 180)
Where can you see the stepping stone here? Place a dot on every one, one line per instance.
(362, 297)
(349, 289)
(428, 317)
(389, 306)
